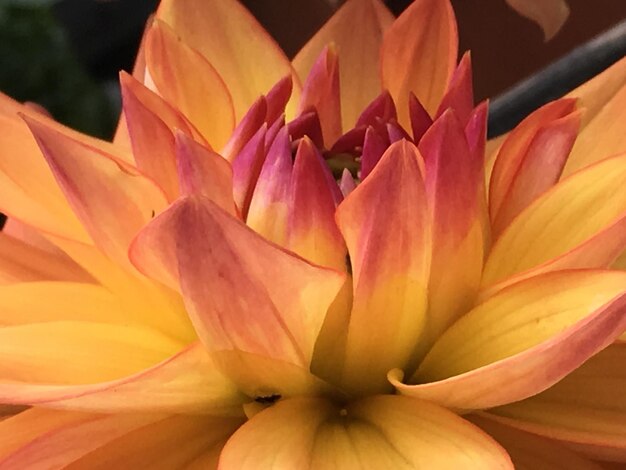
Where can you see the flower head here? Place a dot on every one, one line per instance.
(283, 264)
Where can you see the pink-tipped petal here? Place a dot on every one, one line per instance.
(356, 29)
(419, 54)
(268, 210)
(277, 99)
(307, 124)
(390, 257)
(381, 109)
(321, 91)
(455, 192)
(460, 93)
(419, 117)
(374, 433)
(185, 79)
(112, 200)
(245, 130)
(522, 340)
(347, 183)
(374, 147)
(312, 230)
(202, 171)
(246, 167)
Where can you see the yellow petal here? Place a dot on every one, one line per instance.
(562, 219)
(604, 100)
(234, 43)
(71, 352)
(530, 452)
(356, 29)
(419, 54)
(523, 340)
(374, 433)
(549, 14)
(586, 410)
(390, 279)
(112, 200)
(186, 80)
(21, 262)
(188, 382)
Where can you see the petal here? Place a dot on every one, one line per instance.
(419, 54)
(267, 214)
(419, 117)
(223, 267)
(522, 340)
(188, 382)
(356, 29)
(59, 440)
(151, 139)
(111, 199)
(549, 14)
(516, 146)
(560, 220)
(374, 147)
(245, 130)
(186, 80)
(377, 432)
(460, 93)
(44, 301)
(247, 166)
(72, 352)
(529, 452)
(313, 232)
(455, 192)
(21, 262)
(390, 279)
(540, 168)
(603, 98)
(321, 91)
(585, 410)
(238, 47)
(202, 171)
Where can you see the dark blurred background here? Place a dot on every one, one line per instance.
(66, 54)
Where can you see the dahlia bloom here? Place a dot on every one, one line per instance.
(309, 264)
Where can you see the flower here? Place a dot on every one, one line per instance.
(202, 292)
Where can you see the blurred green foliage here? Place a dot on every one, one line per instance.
(37, 64)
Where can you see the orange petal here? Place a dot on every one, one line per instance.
(313, 232)
(376, 432)
(240, 50)
(21, 262)
(356, 29)
(188, 382)
(585, 410)
(390, 279)
(540, 168)
(321, 91)
(202, 171)
(515, 147)
(522, 340)
(58, 440)
(455, 192)
(268, 210)
(186, 80)
(549, 14)
(562, 219)
(530, 452)
(419, 54)
(111, 199)
(604, 100)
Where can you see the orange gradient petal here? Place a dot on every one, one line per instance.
(186, 80)
(549, 14)
(234, 43)
(390, 256)
(419, 54)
